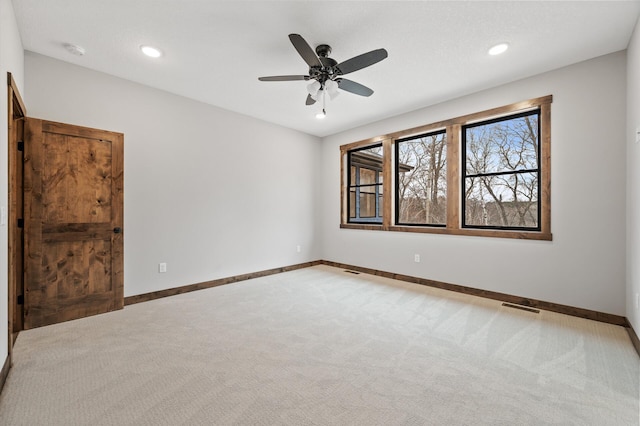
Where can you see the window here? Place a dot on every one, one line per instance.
(421, 179)
(501, 173)
(365, 185)
(483, 174)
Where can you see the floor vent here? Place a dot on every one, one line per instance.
(352, 272)
(522, 308)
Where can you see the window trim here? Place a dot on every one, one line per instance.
(454, 201)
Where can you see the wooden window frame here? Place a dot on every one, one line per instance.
(454, 200)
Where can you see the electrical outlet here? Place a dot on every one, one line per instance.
(162, 267)
(298, 249)
(416, 258)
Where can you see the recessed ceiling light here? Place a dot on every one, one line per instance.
(75, 49)
(498, 49)
(151, 51)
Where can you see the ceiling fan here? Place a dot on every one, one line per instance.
(326, 72)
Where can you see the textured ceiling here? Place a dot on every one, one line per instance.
(216, 50)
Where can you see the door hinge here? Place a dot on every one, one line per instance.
(21, 299)
(20, 146)
(20, 223)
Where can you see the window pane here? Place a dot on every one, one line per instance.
(507, 145)
(365, 184)
(503, 201)
(367, 204)
(422, 180)
(370, 158)
(367, 176)
(352, 204)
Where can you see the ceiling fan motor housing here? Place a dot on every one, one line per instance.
(327, 70)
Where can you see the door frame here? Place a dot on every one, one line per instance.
(15, 119)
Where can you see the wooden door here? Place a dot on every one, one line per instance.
(73, 219)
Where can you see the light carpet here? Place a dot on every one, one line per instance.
(319, 346)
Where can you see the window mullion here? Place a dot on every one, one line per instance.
(357, 193)
(510, 172)
(344, 186)
(377, 192)
(386, 183)
(453, 176)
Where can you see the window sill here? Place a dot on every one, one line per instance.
(492, 233)
(372, 227)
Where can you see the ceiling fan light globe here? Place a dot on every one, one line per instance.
(318, 95)
(331, 85)
(332, 88)
(313, 89)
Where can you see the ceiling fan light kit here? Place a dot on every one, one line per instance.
(327, 73)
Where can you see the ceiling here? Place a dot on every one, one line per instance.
(214, 51)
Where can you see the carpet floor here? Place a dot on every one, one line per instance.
(319, 346)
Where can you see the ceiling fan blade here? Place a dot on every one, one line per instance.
(361, 61)
(303, 48)
(284, 78)
(310, 100)
(353, 87)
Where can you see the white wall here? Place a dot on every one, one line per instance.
(210, 192)
(633, 179)
(584, 265)
(11, 59)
